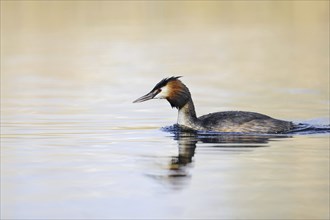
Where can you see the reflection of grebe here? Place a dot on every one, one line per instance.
(178, 174)
(178, 95)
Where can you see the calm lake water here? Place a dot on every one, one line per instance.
(74, 146)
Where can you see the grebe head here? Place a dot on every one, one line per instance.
(172, 89)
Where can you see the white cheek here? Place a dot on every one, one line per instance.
(163, 94)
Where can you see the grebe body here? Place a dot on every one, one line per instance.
(178, 95)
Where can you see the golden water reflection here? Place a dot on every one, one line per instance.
(71, 140)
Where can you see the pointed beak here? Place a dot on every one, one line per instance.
(146, 97)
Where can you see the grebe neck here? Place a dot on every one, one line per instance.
(187, 115)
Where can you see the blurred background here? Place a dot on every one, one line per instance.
(71, 69)
(272, 54)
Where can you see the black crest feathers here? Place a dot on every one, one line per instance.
(164, 81)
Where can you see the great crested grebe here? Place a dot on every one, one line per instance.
(178, 95)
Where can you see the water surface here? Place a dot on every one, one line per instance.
(74, 146)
